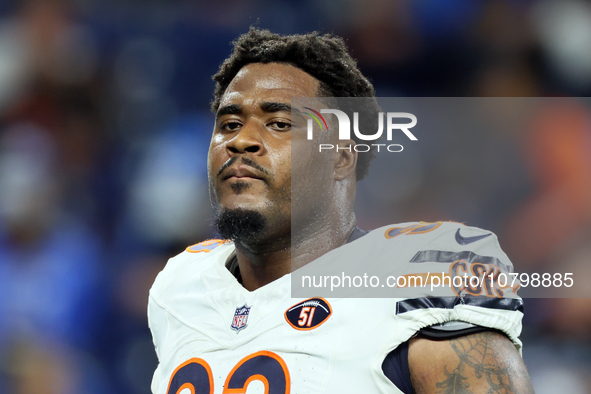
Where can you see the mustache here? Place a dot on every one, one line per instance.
(245, 161)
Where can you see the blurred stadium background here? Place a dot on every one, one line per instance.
(104, 128)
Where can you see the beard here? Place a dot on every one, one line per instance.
(240, 225)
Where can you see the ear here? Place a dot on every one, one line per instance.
(345, 159)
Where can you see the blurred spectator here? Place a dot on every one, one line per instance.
(557, 149)
(49, 263)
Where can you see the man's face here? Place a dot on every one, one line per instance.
(249, 160)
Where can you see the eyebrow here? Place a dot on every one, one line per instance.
(235, 109)
(275, 107)
(280, 107)
(232, 109)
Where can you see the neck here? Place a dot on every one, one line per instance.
(265, 262)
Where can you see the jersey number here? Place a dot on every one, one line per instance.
(306, 316)
(267, 367)
(421, 228)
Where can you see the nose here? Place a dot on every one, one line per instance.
(247, 140)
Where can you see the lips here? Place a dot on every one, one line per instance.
(241, 172)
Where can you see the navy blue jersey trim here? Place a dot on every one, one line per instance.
(395, 367)
(356, 234)
(433, 333)
(510, 304)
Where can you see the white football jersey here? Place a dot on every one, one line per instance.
(214, 336)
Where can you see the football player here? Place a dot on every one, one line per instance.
(221, 313)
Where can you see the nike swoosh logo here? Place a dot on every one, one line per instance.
(468, 240)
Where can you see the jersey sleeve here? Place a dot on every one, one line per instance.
(464, 282)
(173, 295)
(157, 321)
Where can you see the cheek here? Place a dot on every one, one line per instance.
(311, 173)
(215, 158)
(281, 167)
(211, 171)
(310, 162)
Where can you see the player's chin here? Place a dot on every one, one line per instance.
(245, 202)
(241, 186)
(241, 225)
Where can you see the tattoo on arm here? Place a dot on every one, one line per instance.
(478, 355)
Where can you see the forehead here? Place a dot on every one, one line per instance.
(270, 82)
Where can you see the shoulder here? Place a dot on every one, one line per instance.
(441, 242)
(180, 284)
(419, 242)
(414, 247)
(440, 245)
(432, 266)
(206, 246)
(200, 256)
(449, 235)
(189, 264)
(428, 231)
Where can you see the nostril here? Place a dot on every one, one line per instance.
(252, 149)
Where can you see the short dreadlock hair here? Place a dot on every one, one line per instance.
(325, 57)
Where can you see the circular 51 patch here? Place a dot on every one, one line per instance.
(308, 314)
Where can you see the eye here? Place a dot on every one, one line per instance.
(230, 125)
(280, 125)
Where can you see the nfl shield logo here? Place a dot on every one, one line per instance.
(240, 318)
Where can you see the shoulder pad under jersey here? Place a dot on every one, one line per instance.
(188, 265)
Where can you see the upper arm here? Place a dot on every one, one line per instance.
(485, 362)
